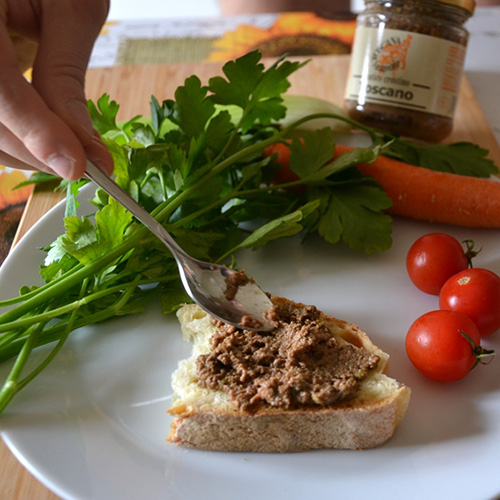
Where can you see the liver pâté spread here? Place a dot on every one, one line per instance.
(297, 365)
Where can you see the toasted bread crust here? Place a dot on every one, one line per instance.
(355, 424)
(363, 427)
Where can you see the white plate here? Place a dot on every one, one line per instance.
(93, 425)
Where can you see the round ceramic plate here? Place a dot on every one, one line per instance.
(93, 425)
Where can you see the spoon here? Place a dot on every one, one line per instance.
(209, 285)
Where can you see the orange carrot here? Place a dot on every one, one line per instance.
(432, 196)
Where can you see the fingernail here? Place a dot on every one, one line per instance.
(101, 156)
(62, 165)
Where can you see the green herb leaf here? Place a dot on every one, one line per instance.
(193, 108)
(87, 243)
(463, 158)
(282, 227)
(72, 190)
(354, 214)
(309, 155)
(253, 88)
(243, 76)
(104, 114)
(38, 178)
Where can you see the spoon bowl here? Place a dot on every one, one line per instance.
(217, 289)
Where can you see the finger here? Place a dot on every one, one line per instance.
(14, 154)
(26, 116)
(100, 154)
(10, 161)
(68, 33)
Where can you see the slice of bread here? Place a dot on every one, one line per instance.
(206, 418)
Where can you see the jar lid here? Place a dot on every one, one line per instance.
(469, 5)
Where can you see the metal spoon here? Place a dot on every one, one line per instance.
(206, 283)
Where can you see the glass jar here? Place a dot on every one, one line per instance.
(406, 66)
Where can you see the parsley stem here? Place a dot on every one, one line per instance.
(14, 340)
(71, 280)
(11, 385)
(37, 290)
(373, 133)
(57, 348)
(59, 311)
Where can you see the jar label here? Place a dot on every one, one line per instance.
(405, 69)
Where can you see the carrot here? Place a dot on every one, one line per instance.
(432, 196)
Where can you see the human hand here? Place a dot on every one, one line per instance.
(45, 124)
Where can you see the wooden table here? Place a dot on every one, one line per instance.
(132, 87)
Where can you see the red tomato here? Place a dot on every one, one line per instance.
(436, 347)
(434, 258)
(476, 293)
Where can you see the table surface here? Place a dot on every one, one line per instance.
(483, 73)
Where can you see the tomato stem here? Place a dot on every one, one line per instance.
(482, 355)
(470, 253)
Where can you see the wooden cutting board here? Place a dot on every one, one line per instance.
(132, 87)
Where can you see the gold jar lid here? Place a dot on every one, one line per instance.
(469, 5)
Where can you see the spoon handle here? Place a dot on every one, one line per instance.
(113, 189)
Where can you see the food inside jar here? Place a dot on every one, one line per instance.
(403, 122)
(406, 66)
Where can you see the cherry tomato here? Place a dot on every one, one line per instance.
(433, 259)
(476, 293)
(438, 349)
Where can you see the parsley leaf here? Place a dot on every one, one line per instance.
(463, 158)
(312, 153)
(282, 227)
(104, 114)
(72, 190)
(87, 242)
(353, 214)
(193, 108)
(57, 261)
(173, 297)
(311, 157)
(253, 88)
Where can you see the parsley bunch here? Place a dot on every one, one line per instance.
(199, 168)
